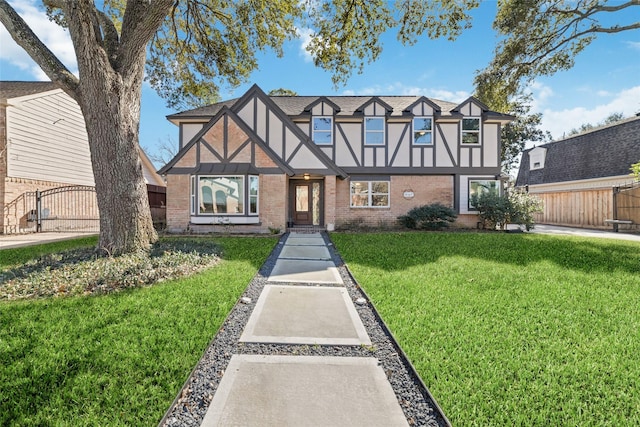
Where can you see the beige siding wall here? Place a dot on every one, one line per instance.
(47, 139)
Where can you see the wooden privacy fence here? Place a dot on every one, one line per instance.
(592, 208)
(583, 208)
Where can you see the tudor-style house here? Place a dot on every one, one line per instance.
(260, 162)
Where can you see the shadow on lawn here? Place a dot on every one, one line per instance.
(397, 251)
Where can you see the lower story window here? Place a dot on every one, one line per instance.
(477, 187)
(224, 195)
(368, 194)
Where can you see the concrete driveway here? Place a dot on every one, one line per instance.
(21, 240)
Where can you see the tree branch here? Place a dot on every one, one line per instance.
(46, 60)
(110, 34)
(140, 22)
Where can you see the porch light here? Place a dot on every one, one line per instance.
(306, 177)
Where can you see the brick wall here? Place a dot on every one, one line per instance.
(178, 194)
(272, 207)
(273, 201)
(426, 190)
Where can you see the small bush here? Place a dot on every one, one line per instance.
(512, 208)
(428, 217)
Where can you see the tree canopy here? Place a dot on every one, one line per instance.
(541, 37)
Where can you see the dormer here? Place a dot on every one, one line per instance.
(472, 112)
(375, 112)
(537, 157)
(322, 112)
(423, 111)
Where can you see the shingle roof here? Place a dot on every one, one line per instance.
(603, 152)
(14, 89)
(295, 105)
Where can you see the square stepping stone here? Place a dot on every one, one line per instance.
(305, 271)
(305, 252)
(287, 314)
(270, 391)
(301, 239)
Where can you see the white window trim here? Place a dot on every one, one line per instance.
(384, 142)
(195, 200)
(413, 131)
(370, 195)
(470, 208)
(192, 197)
(249, 196)
(330, 131)
(463, 131)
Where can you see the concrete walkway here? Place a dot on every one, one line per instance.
(304, 302)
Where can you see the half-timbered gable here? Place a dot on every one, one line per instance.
(341, 157)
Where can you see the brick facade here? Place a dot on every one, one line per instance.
(273, 204)
(178, 194)
(426, 190)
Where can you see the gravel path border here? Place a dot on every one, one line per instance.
(191, 404)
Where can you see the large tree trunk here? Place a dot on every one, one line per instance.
(112, 113)
(109, 93)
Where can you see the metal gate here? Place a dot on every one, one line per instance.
(626, 206)
(71, 208)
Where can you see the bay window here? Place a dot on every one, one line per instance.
(224, 195)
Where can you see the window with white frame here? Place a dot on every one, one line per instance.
(422, 131)
(369, 194)
(322, 130)
(374, 131)
(194, 189)
(253, 195)
(226, 195)
(471, 130)
(480, 186)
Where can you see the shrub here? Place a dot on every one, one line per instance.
(428, 217)
(512, 208)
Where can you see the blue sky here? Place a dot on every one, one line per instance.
(604, 80)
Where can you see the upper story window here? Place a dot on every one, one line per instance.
(422, 131)
(374, 131)
(471, 130)
(322, 130)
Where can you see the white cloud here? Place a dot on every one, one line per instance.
(399, 88)
(52, 35)
(633, 45)
(305, 39)
(560, 122)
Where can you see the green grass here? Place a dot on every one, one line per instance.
(117, 359)
(511, 330)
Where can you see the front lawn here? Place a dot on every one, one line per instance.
(511, 329)
(117, 359)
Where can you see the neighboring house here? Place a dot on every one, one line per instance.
(575, 177)
(44, 145)
(262, 161)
